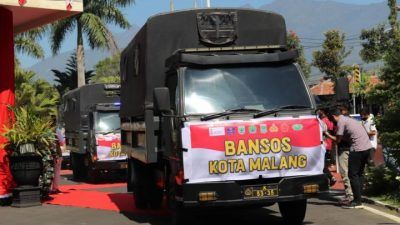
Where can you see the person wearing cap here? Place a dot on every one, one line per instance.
(360, 147)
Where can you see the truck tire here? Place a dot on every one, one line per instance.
(129, 176)
(179, 215)
(139, 180)
(156, 198)
(76, 165)
(293, 212)
(92, 175)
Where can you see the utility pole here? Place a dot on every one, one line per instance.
(171, 5)
(195, 4)
(208, 3)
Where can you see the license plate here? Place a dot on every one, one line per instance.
(123, 166)
(261, 191)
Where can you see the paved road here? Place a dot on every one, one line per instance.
(319, 212)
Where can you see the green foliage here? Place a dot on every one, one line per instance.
(363, 88)
(68, 80)
(38, 96)
(27, 42)
(375, 43)
(92, 24)
(330, 59)
(107, 70)
(386, 47)
(382, 180)
(29, 128)
(293, 42)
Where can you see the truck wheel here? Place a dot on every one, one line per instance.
(75, 166)
(293, 212)
(180, 216)
(129, 176)
(92, 175)
(156, 198)
(138, 171)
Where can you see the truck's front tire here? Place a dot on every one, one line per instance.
(293, 212)
(77, 165)
(139, 180)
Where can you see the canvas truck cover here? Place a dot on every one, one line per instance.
(78, 102)
(143, 60)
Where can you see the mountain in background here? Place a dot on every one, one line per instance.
(308, 18)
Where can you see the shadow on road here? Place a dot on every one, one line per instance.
(257, 216)
(101, 179)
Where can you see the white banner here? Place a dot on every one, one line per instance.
(241, 150)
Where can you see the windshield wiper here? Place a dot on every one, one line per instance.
(275, 110)
(111, 131)
(228, 112)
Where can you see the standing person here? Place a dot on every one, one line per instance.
(57, 165)
(368, 122)
(359, 152)
(343, 158)
(328, 126)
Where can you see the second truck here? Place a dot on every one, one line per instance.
(92, 130)
(216, 113)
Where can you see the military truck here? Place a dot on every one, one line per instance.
(92, 130)
(216, 113)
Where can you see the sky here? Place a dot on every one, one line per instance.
(138, 14)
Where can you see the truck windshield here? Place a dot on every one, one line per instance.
(214, 90)
(107, 122)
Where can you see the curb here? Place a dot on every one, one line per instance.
(381, 204)
(336, 195)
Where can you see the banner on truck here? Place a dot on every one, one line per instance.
(109, 147)
(241, 150)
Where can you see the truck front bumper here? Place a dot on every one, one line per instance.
(231, 193)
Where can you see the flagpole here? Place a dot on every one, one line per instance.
(208, 3)
(171, 5)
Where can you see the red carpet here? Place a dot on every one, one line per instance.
(91, 196)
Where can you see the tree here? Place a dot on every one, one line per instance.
(107, 70)
(68, 80)
(388, 92)
(36, 95)
(375, 43)
(330, 59)
(91, 23)
(293, 42)
(27, 42)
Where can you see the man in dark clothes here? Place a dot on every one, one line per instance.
(359, 152)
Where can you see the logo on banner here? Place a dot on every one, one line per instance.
(216, 131)
(241, 130)
(263, 128)
(230, 131)
(252, 129)
(297, 127)
(284, 127)
(274, 128)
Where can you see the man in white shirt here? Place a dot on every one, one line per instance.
(370, 127)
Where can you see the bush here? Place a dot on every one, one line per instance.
(384, 180)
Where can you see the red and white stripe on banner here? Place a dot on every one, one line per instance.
(239, 150)
(69, 4)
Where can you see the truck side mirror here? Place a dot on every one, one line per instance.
(162, 100)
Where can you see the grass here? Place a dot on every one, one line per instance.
(388, 199)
